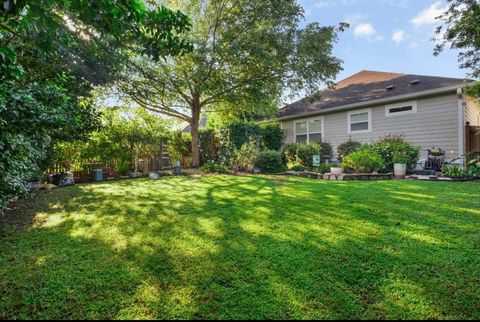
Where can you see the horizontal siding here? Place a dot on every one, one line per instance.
(434, 125)
(472, 112)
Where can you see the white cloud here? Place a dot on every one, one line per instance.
(367, 31)
(428, 16)
(398, 36)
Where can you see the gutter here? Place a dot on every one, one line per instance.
(431, 92)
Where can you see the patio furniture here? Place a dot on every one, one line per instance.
(435, 160)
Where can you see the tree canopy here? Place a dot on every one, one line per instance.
(245, 55)
(461, 30)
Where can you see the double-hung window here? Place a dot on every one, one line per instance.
(309, 131)
(360, 121)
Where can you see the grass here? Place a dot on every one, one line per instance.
(244, 247)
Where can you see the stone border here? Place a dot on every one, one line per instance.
(344, 177)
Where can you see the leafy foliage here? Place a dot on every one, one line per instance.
(301, 154)
(115, 142)
(234, 135)
(244, 158)
(346, 148)
(270, 161)
(363, 161)
(461, 30)
(52, 53)
(392, 148)
(212, 167)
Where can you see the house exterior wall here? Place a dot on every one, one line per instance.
(472, 111)
(435, 124)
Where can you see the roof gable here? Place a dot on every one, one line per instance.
(365, 86)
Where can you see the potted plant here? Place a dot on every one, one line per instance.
(400, 159)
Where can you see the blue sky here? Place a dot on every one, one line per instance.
(386, 35)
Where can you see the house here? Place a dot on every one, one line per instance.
(427, 111)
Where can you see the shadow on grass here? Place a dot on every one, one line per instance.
(246, 248)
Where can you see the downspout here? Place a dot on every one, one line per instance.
(461, 124)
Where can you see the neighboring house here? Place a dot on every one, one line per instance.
(186, 128)
(427, 111)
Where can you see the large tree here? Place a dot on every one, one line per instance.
(461, 30)
(245, 55)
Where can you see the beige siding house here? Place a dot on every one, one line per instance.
(427, 111)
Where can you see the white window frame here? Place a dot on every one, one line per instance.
(349, 123)
(413, 104)
(320, 118)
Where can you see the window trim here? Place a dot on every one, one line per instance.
(388, 107)
(317, 118)
(349, 123)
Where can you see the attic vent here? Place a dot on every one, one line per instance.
(389, 88)
(415, 82)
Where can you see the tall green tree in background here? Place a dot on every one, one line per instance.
(245, 54)
(461, 30)
(52, 54)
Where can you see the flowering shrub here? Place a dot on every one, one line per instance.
(394, 149)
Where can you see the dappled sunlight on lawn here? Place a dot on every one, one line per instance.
(247, 247)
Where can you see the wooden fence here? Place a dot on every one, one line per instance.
(472, 141)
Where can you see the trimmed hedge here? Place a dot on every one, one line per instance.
(301, 154)
(269, 161)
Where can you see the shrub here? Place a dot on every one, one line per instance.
(269, 161)
(301, 153)
(327, 150)
(271, 136)
(244, 158)
(212, 167)
(453, 172)
(363, 161)
(392, 149)
(346, 148)
(236, 134)
(295, 166)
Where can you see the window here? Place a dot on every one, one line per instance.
(309, 131)
(360, 121)
(401, 109)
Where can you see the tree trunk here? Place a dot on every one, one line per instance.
(194, 124)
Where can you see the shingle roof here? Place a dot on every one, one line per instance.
(365, 86)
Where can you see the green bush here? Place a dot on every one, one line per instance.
(295, 166)
(236, 134)
(272, 136)
(269, 161)
(392, 148)
(346, 148)
(212, 167)
(327, 150)
(453, 172)
(301, 153)
(363, 161)
(243, 159)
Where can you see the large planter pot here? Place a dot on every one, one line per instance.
(400, 170)
(336, 171)
(97, 175)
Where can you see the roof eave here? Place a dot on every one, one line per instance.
(441, 90)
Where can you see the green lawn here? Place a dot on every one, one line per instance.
(244, 247)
